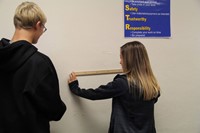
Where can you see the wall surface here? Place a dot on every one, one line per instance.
(86, 35)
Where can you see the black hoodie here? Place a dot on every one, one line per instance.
(29, 89)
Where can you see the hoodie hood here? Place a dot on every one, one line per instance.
(12, 56)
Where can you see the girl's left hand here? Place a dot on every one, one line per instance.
(72, 77)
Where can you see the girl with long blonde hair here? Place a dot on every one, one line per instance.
(133, 93)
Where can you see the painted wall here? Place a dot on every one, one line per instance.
(86, 35)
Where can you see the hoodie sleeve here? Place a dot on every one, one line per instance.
(45, 94)
(47, 98)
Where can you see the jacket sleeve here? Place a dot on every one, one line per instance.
(113, 89)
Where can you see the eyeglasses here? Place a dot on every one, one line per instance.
(44, 29)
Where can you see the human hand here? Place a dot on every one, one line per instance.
(72, 77)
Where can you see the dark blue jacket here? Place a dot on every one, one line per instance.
(130, 113)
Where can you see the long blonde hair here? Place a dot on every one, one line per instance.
(137, 67)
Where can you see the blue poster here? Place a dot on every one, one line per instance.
(147, 18)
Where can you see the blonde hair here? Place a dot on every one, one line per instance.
(137, 67)
(27, 14)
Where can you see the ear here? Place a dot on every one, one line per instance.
(38, 25)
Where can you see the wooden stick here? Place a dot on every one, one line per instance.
(98, 72)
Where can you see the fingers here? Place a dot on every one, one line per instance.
(73, 74)
(72, 77)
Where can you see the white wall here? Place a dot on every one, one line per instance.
(86, 35)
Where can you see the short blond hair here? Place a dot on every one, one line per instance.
(27, 14)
